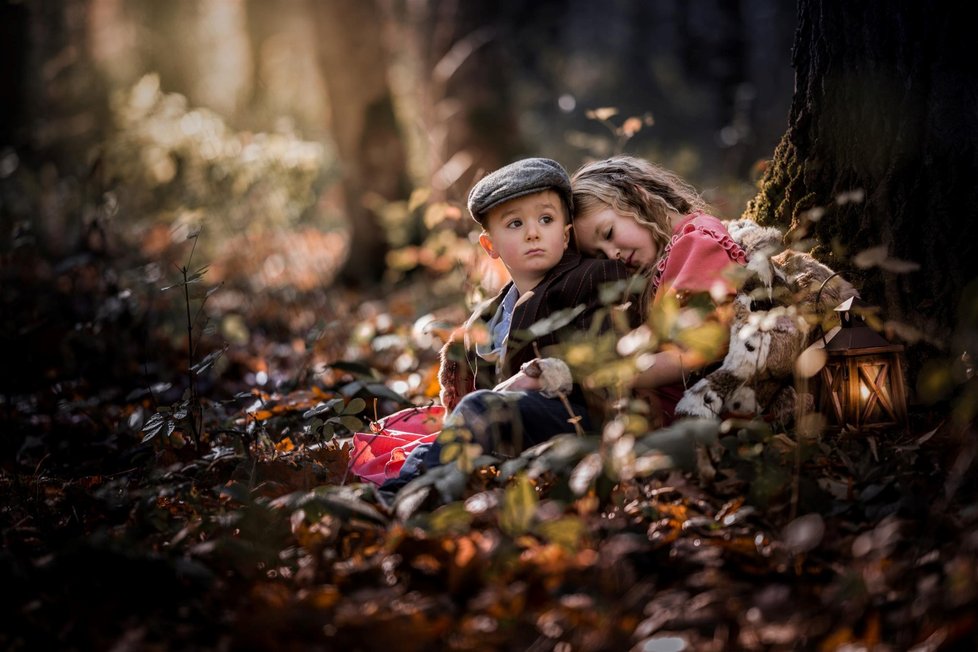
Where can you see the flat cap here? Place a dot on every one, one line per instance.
(523, 177)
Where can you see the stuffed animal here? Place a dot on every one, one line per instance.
(764, 343)
(707, 397)
(455, 377)
(815, 289)
(774, 399)
(553, 375)
(721, 394)
(759, 243)
(756, 377)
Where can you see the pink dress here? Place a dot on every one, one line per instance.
(697, 256)
(695, 260)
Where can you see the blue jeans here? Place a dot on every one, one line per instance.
(497, 421)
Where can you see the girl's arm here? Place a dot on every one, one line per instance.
(697, 262)
(670, 366)
(675, 364)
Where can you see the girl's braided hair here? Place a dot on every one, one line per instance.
(633, 186)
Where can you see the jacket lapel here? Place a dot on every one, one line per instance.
(534, 308)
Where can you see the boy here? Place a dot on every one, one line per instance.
(525, 211)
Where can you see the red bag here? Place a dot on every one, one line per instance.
(378, 456)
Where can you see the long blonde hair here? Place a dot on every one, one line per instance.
(636, 187)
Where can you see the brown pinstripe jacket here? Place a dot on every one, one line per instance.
(575, 281)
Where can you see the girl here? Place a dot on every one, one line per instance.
(631, 210)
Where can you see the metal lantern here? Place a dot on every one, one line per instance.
(862, 384)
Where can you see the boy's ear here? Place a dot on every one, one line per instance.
(567, 232)
(486, 241)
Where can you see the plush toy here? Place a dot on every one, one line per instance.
(553, 374)
(722, 394)
(774, 400)
(455, 377)
(815, 289)
(708, 396)
(764, 343)
(785, 297)
(759, 243)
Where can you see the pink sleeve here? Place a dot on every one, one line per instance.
(696, 262)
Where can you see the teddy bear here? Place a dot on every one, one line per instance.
(786, 294)
(759, 243)
(764, 343)
(707, 398)
(815, 289)
(801, 279)
(721, 394)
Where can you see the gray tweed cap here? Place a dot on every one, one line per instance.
(523, 177)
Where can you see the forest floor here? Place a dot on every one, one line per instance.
(138, 514)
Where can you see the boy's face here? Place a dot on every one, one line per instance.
(529, 234)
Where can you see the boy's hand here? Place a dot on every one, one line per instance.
(519, 382)
(550, 376)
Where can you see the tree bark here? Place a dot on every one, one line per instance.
(452, 84)
(199, 49)
(65, 104)
(354, 65)
(57, 121)
(884, 103)
(13, 74)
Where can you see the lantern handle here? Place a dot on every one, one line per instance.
(818, 303)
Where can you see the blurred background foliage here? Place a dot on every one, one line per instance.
(365, 122)
(295, 172)
(330, 145)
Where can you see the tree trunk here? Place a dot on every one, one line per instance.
(13, 74)
(59, 120)
(452, 86)
(286, 79)
(372, 161)
(66, 100)
(199, 49)
(884, 105)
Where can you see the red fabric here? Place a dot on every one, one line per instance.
(378, 456)
(696, 257)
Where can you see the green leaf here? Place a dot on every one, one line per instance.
(322, 408)
(566, 532)
(381, 390)
(344, 502)
(511, 467)
(519, 506)
(559, 454)
(555, 321)
(352, 424)
(450, 518)
(208, 360)
(150, 434)
(155, 420)
(155, 424)
(355, 406)
(612, 292)
(679, 440)
(412, 496)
